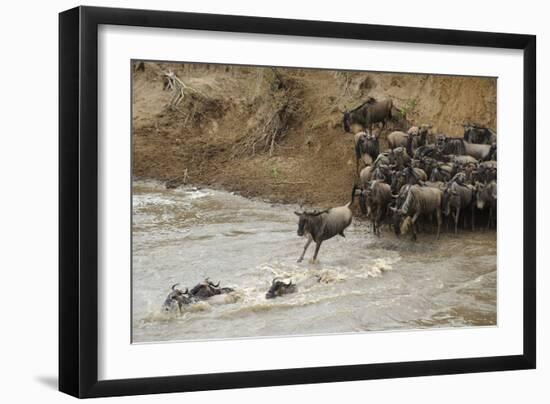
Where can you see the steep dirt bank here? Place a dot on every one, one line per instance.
(277, 133)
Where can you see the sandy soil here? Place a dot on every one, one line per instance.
(221, 133)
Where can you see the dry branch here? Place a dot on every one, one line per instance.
(178, 87)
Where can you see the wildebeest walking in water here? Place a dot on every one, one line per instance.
(419, 201)
(369, 113)
(456, 198)
(323, 225)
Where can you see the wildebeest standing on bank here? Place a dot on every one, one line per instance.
(369, 113)
(323, 225)
(397, 139)
(367, 148)
(474, 133)
(458, 146)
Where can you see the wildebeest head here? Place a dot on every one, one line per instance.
(279, 288)
(176, 299)
(440, 141)
(413, 131)
(485, 194)
(423, 133)
(450, 198)
(398, 214)
(304, 219)
(406, 225)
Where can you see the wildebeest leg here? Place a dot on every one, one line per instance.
(378, 220)
(413, 224)
(490, 216)
(317, 246)
(309, 240)
(457, 214)
(438, 215)
(473, 217)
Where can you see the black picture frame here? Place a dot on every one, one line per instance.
(78, 201)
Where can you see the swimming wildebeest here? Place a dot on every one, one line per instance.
(419, 201)
(369, 113)
(323, 225)
(279, 288)
(207, 289)
(177, 298)
(475, 133)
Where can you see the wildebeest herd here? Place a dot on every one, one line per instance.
(418, 178)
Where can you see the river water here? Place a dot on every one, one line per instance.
(362, 283)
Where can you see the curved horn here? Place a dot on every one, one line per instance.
(174, 286)
(212, 284)
(186, 291)
(275, 280)
(289, 283)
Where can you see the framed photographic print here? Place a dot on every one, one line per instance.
(251, 201)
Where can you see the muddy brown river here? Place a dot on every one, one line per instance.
(362, 283)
